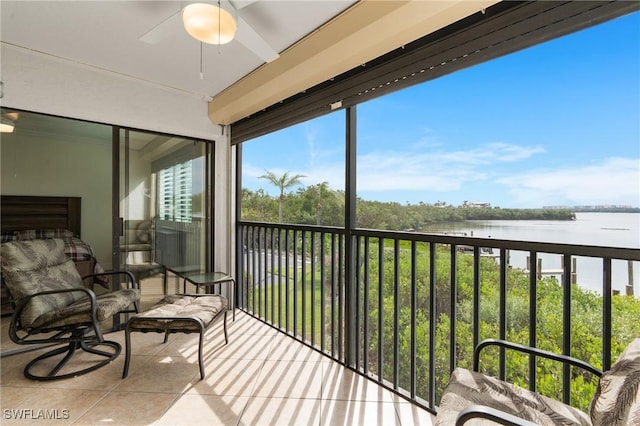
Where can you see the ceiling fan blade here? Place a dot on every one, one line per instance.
(246, 35)
(254, 42)
(163, 30)
(239, 4)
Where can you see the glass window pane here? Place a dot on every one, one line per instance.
(550, 126)
(296, 175)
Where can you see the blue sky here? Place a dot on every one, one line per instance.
(555, 124)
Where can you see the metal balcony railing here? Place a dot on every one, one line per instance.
(405, 309)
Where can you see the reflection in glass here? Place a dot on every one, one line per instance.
(163, 203)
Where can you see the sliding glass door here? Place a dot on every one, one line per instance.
(164, 194)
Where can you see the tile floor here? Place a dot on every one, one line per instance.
(261, 377)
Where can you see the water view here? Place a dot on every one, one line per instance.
(596, 229)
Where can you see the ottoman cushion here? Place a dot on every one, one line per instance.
(171, 311)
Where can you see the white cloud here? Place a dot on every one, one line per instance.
(495, 152)
(434, 170)
(311, 146)
(332, 174)
(612, 181)
(608, 181)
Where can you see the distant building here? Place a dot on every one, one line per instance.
(476, 205)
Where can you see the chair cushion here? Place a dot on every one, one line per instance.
(617, 398)
(34, 266)
(468, 388)
(108, 304)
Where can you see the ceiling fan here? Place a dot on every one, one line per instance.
(213, 23)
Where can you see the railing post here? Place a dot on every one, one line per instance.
(312, 255)
(365, 307)
(396, 314)
(286, 278)
(502, 326)
(476, 296)
(607, 294)
(239, 293)
(280, 278)
(323, 296)
(566, 328)
(350, 291)
(533, 321)
(433, 318)
(629, 286)
(414, 323)
(381, 335)
(453, 282)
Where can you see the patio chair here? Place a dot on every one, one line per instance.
(475, 398)
(52, 306)
(140, 252)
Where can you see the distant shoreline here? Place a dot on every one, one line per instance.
(597, 209)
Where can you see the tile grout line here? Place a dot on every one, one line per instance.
(250, 397)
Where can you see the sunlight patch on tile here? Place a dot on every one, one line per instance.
(348, 413)
(281, 411)
(209, 410)
(290, 379)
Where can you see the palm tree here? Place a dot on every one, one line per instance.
(324, 197)
(282, 182)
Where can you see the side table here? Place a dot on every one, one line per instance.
(207, 280)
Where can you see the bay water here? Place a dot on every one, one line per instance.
(593, 229)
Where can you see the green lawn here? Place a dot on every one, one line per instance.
(305, 305)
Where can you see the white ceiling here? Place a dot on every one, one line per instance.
(85, 59)
(105, 35)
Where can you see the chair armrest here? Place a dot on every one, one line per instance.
(20, 305)
(532, 351)
(488, 413)
(130, 276)
(23, 301)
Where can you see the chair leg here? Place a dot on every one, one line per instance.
(80, 343)
(200, 355)
(70, 349)
(90, 349)
(224, 326)
(127, 346)
(232, 303)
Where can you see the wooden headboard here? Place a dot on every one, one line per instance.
(21, 212)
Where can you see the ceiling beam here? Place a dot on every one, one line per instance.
(363, 32)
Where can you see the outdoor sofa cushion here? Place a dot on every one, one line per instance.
(615, 403)
(468, 388)
(617, 398)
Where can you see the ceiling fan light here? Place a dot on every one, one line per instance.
(208, 23)
(6, 125)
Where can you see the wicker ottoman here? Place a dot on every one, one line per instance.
(179, 313)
